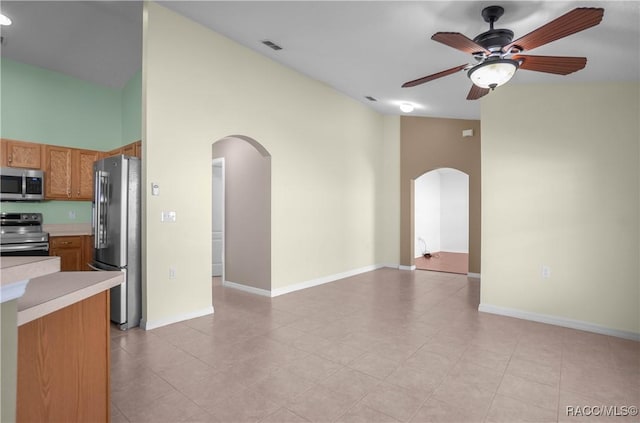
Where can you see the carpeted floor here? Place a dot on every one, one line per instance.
(445, 262)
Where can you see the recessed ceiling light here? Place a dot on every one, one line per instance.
(4, 20)
(406, 107)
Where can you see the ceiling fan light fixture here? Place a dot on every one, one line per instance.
(493, 73)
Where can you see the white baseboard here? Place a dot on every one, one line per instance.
(403, 267)
(473, 275)
(148, 325)
(323, 280)
(247, 288)
(558, 321)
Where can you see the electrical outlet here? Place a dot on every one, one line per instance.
(172, 272)
(546, 272)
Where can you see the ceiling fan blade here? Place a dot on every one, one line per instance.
(476, 92)
(574, 21)
(432, 77)
(460, 42)
(559, 65)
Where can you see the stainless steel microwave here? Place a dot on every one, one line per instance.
(21, 184)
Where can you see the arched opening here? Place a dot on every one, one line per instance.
(441, 221)
(241, 214)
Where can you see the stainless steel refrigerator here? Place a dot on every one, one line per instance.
(116, 230)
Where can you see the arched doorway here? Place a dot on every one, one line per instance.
(242, 213)
(441, 221)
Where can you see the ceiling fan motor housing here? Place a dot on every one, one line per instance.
(494, 39)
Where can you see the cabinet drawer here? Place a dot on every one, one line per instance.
(65, 242)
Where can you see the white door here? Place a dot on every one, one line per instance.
(217, 223)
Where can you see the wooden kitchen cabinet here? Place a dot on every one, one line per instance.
(69, 173)
(82, 173)
(70, 250)
(63, 364)
(129, 150)
(138, 149)
(57, 172)
(134, 149)
(21, 154)
(87, 252)
(75, 251)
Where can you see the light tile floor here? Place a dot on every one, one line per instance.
(444, 261)
(384, 346)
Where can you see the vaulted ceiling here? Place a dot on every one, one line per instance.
(359, 48)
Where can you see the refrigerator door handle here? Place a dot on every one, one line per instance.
(102, 193)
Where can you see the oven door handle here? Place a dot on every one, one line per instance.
(30, 247)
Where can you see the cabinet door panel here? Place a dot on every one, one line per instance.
(69, 249)
(58, 172)
(63, 364)
(83, 174)
(70, 259)
(87, 251)
(23, 154)
(138, 149)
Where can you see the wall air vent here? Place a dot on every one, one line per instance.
(271, 45)
(370, 98)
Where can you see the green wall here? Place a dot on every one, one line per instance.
(131, 104)
(48, 107)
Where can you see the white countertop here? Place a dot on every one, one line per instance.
(67, 229)
(15, 273)
(47, 294)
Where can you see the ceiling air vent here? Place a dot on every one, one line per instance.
(271, 45)
(370, 98)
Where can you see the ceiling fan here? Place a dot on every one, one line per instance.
(498, 57)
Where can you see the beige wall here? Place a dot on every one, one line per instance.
(433, 143)
(388, 202)
(247, 221)
(327, 157)
(560, 186)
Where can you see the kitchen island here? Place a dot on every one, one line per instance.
(63, 328)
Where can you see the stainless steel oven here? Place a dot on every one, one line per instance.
(21, 234)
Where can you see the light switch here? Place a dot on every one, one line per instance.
(155, 189)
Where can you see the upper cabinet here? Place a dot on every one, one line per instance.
(58, 172)
(69, 173)
(82, 173)
(134, 149)
(21, 154)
